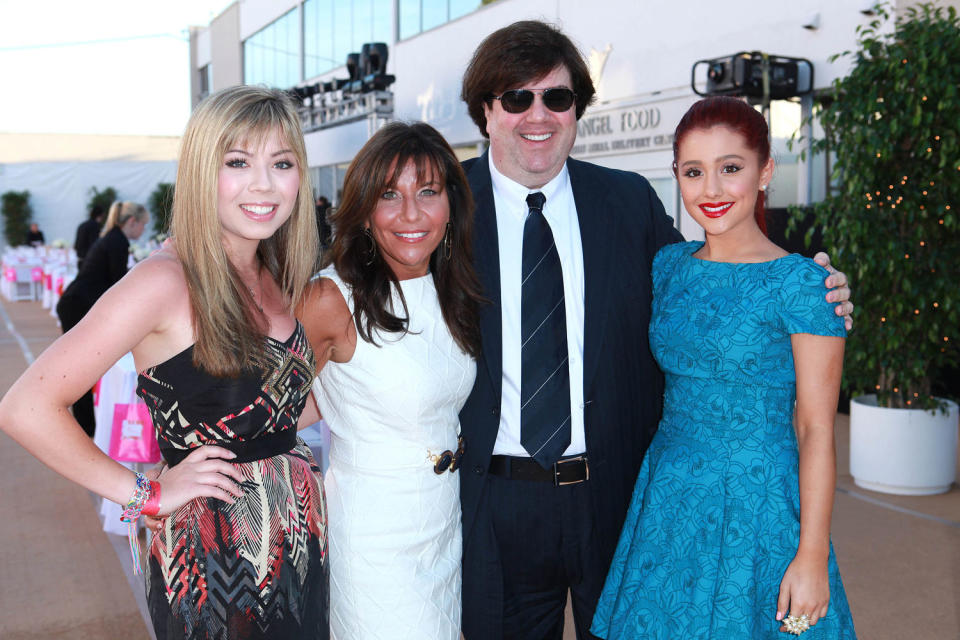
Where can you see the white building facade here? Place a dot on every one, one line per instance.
(641, 54)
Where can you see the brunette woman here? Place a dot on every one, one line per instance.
(395, 328)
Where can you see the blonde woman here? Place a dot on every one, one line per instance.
(105, 264)
(225, 370)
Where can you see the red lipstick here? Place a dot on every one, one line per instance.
(715, 209)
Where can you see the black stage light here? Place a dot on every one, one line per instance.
(756, 75)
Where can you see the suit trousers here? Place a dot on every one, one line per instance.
(536, 541)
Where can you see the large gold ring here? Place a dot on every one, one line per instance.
(796, 625)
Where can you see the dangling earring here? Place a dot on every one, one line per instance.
(372, 251)
(447, 243)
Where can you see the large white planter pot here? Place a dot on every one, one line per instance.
(902, 451)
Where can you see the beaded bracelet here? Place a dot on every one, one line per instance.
(146, 500)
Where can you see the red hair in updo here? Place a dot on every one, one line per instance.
(734, 114)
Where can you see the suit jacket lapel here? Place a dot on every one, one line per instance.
(486, 256)
(596, 227)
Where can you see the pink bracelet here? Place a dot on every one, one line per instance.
(152, 506)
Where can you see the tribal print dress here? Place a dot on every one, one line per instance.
(255, 569)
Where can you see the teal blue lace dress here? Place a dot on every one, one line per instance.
(715, 515)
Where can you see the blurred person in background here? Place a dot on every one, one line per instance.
(87, 233)
(323, 224)
(105, 264)
(34, 236)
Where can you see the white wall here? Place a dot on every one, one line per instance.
(59, 191)
(58, 171)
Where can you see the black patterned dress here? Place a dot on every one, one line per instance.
(255, 569)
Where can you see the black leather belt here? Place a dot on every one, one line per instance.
(565, 471)
(259, 448)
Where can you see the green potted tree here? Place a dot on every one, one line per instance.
(893, 124)
(160, 204)
(102, 198)
(16, 216)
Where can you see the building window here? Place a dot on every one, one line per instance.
(204, 81)
(271, 56)
(334, 28)
(421, 15)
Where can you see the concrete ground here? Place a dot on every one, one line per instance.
(899, 555)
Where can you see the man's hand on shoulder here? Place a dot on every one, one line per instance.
(839, 289)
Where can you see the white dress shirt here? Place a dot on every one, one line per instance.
(510, 200)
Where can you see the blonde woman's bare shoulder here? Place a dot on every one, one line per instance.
(157, 283)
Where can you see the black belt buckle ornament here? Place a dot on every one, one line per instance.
(448, 459)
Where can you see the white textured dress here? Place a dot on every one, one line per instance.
(393, 523)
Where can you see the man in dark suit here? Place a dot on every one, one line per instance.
(567, 395)
(88, 232)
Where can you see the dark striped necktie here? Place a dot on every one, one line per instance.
(544, 372)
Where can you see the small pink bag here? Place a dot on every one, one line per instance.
(132, 438)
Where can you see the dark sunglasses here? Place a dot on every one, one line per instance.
(448, 459)
(557, 99)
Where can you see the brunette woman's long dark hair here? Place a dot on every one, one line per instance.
(737, 115)
(374, 170)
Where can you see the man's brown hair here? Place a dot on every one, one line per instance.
(519, 53)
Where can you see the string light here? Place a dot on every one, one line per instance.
(936, 304)
(916, 312)
(906, 256)
(883, 319)
(924, 98)
(922, 243)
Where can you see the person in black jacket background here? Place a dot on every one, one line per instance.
(88, 232)
(35, 236)
(103, 266)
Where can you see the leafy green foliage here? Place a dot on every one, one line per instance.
(894, 124)
(103, 199)
(16, 216)
(160, 204)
